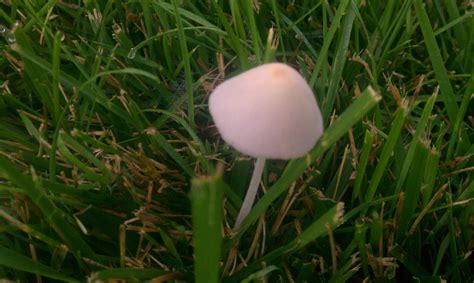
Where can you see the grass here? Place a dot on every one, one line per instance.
(111, 168)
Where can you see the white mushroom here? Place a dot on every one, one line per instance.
(268, 112)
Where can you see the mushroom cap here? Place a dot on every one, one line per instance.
(267, 112)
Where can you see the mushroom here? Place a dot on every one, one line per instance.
(268, 112)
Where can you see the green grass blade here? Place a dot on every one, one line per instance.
(237, 17)
(206, 198)
(440, 255)
(276, 14)
(437, 61)
(455, 134)
(32, 130)
(170, 8)
(11, 259)
(53, 214)
(94, 94)
(69, 156)
(84, 152)
(56, 62)
(338, 63)
(466, 196)
(453, 12)
(390, 37)
(187, 65)
(235, 41)
(413, 188)
(323, 53)
(299, 34)
(170, 245)
(160, 141)
(151, 26)
(408, 261)
(429, 179)
(453, 243)
(256, 40)
(259, 274)
(387, 150)
(420, 129)
(334, 218)
(360, 237)
(28, 229)
(270, 47)
(132, 274)
(363, 160)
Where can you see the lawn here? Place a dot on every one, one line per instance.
(112, 168)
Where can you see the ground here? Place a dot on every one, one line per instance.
(111, 166)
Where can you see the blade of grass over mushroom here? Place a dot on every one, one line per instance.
(206, 200)
(16, 261)
(387, 150)
(333, 218)
(353, 114)
(187, 65)
(53, 214)
(338, 63)
(420, 129)
(437, 61)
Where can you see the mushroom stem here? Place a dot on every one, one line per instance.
(251, 191)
